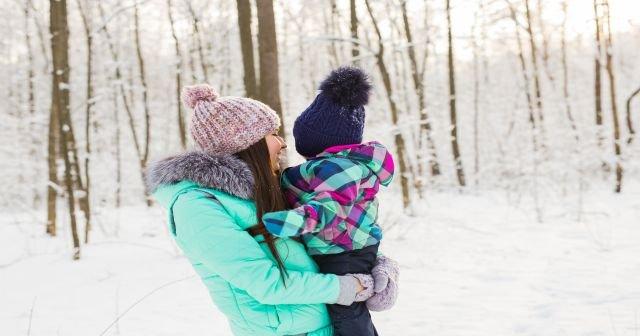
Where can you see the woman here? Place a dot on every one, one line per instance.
(215, 199)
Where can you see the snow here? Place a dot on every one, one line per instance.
(472, 264)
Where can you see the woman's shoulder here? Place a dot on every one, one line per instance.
(207, 205)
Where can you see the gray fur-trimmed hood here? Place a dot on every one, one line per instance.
(226, 173)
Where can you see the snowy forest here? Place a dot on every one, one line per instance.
(513, 124)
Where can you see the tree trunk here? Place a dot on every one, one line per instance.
(31, 107)
(42, 40)
(418, 84)
(545, 41)
(119, 79)
(565, 74)
(536, 73)
(60, 102)
(598, 74)
(612, 95)
(476, 96)
(525, 77)
(452, 102)
(399, 140)
(196, 34)
(268, 51)
(182, 129)
(629, 121)
(353, 11)
(117, 154)
(145, 90)
(53, 183)
(246, 44)
(52, 156)
(85, 200)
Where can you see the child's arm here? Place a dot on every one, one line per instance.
(335, 191)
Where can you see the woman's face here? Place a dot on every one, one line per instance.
(276, 144)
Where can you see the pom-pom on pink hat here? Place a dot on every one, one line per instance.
(226, 125)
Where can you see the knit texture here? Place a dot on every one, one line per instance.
(336, 117)
(385, 274)
(226, 125)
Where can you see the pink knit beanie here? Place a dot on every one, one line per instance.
(226, 125)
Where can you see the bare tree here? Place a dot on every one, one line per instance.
(452, 101)
(544, 37)
(476, 91)
(144, 156)
(125, 99)
(536, 73)
(117, 149)
(565, 73)
(198, 39)
(612, 92)
(42, 40)
(52, 167)
(525, 77)
(418, 83)
(598, 73)
(85, 203)
(328, 21)
(182, 129)
(399, 140)
(268, 50)
(353, 14)
(629, 121)
(31, 103)
(246, 44)
(60, 102)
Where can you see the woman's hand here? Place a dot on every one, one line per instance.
(354, 288)
(365, 286)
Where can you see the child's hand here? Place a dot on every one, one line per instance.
(385, 269)
(385, 275)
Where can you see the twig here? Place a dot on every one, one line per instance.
(33, 304)
(117, 308)
(142, 299)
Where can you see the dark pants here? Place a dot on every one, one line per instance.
(353, 320)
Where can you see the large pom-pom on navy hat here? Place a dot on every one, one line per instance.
(336, 116)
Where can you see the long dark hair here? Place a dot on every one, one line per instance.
(266, 193)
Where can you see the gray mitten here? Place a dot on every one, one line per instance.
(349, 286)
(385, 274)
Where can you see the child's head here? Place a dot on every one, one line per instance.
(336, 116)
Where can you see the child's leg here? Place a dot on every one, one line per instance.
(353, 320)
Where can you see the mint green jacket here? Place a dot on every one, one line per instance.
(209, 225)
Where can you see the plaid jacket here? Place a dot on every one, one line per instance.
(333, 198)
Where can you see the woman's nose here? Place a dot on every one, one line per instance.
(283, 144)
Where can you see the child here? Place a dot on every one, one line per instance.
(333, 193)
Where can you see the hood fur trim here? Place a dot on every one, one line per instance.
(226, 173)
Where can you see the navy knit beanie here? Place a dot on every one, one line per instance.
(336, 116)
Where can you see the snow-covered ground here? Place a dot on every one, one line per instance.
(471, 265)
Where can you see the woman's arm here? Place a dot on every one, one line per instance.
(210, 233)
